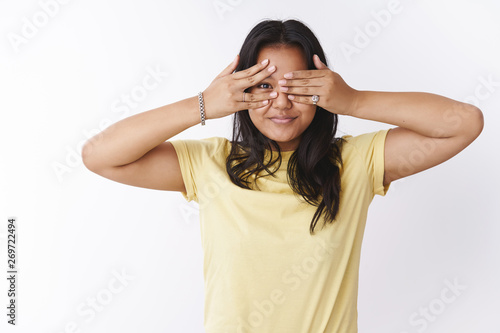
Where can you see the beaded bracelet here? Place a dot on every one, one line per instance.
(202, 107)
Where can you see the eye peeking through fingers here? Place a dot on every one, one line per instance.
(260, 86)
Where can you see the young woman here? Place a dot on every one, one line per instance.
(283, 205)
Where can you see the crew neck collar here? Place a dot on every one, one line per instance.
(282, 152)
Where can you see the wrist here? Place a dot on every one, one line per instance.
(354, 108)
(192, 111)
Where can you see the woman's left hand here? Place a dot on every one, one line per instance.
(334, 94)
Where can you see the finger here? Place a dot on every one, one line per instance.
(229, 69)
(313, 82)
(318, 63)
(257, 78)
(304, 74)
(301, 90)
(251, 70)
(302, 99)
(252, 105)
(259, 97)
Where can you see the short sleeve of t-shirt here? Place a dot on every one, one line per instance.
(370, 148)
(195, 158)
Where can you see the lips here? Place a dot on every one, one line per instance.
(282, 120)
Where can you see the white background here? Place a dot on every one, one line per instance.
(67, 75)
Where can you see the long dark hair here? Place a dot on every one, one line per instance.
(313, 168)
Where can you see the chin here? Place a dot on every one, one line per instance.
(283, 140)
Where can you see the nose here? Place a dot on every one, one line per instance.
(281, 101)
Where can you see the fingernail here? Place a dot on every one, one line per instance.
(288, 75)
(265, 61)
(265, 102)
(282, 82)
(272, 68)
(284, 88)
(273, 94)
(291, 97)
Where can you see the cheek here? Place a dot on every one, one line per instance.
(312, 113)
(258, 114)
(309, 112)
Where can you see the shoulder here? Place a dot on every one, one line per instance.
(208, 146)
(364, 161)
(366, 148)
(362, 143)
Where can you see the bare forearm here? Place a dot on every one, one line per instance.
(427, 114)
(130, 138)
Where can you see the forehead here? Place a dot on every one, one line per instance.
(285, 58)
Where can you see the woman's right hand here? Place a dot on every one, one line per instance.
(224, 96)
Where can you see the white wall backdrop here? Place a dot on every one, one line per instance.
(98, 256)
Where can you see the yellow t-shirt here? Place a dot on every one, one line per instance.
(264, 272)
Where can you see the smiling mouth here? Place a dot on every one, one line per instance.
(282, 120)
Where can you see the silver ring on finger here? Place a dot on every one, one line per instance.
(315, 99)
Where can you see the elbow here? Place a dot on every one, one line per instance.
(88, 158)
(472, 121)
(480, 120)
(476, 123)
